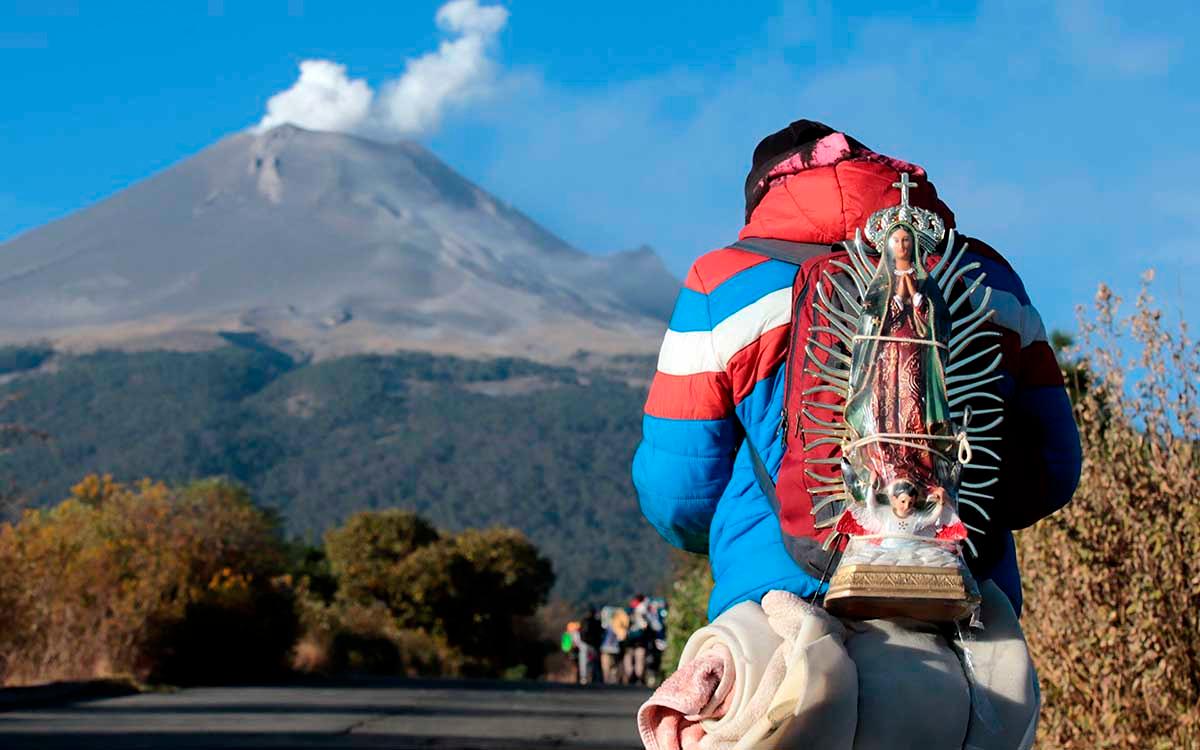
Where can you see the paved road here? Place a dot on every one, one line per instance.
(375, 714)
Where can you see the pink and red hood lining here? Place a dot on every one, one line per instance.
(813, 184)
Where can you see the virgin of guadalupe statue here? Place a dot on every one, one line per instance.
(897, 391)
(902, 454)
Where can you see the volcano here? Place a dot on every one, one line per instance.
(330, 245)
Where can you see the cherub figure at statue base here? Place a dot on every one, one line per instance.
(900, 522)
(902, 559)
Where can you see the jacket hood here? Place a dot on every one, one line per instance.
(811, 183)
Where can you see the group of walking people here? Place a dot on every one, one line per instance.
(619, 645)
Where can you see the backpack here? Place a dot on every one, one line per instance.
(638, 624)
(808, 497)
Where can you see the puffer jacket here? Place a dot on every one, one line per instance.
(720, 372)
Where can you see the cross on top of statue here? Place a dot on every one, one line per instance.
(926, 223)
(904, 185)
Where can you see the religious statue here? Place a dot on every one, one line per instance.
(904, 447)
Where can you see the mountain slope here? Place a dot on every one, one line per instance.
(320, 441)
(334, 243)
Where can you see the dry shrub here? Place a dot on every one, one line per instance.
(146, 581)
(1113, 580)
(347, 636)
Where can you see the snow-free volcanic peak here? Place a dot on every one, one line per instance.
(334, 243)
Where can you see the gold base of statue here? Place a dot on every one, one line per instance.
(864, 592)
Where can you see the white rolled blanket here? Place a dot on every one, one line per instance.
(815, 703)
(792, 676)
(790, 667)
(745, 630)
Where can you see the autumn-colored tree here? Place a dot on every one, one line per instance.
(143, 580)
(508, 580)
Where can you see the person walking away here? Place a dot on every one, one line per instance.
(639, 630)
(610, 647)
(591, 636)
(570, 646)
(656, 640)
(619, 624)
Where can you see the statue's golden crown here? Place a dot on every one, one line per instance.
(929, 226)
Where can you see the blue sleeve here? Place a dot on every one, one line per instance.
(680, 470)
(689, 431)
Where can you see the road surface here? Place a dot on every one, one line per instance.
(359, 714)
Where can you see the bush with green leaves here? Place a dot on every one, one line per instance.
(472, 589)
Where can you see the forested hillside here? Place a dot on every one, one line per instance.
(465, 443)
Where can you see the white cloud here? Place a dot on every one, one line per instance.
(469, 17)
(458, 72)
(323, 98)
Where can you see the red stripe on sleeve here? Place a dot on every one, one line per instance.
(757, 360)
(712, 269)
(1039, 367)
(704, 395)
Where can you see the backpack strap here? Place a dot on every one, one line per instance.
(806, 551)
(789, 252)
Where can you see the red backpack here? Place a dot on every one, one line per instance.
(808, 495)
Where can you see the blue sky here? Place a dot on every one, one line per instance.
(1063, 133)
